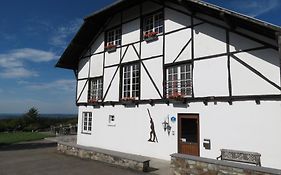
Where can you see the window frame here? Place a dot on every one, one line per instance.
(98, 91)
(131, 85)
(155, 28)
(87, 122)
(184, 86)
(116, 42)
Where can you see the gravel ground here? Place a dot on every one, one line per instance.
(40, 157)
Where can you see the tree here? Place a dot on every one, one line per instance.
(32, 114)
(31, 119)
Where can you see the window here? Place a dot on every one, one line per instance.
(113, 37)
(87, 122)
(131, 81)
(95, 90)
(179, 81)
(153, 23)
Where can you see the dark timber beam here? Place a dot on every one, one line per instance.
(226, 19)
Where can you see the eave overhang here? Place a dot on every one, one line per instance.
(93, 23)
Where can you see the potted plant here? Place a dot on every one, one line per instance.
(176, 96)
(150, 36)
(128, 100)
(111, 47)
(92, 100)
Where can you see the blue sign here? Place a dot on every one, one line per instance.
(173, 119)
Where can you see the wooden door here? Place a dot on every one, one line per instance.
(188, 138)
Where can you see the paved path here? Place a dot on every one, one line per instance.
(41, 158)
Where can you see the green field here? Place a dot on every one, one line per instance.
(15, 137)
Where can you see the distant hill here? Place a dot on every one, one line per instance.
(9, 116)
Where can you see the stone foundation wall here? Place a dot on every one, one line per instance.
(84, 153)
(185, 164)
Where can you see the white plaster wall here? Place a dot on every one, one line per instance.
(149, 6)
(175, 20)
(113, 93)
(241, 126)
(265, 61)
(179, 7)
(154, 66)
(116, 20)
(172, 50)
(209, 40)
(245, 82)
(98, 44)
(131, 54)
(84, 93)
(238, 42)
(112, 58)
(257, 36)
(96, 65)
(204, 17)
(83, 68)
(131, 32)
(153, 48)
(210, 77)
(131, 13)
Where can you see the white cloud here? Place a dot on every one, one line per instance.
(13, 62)
(63, 84)
(62, 33)
(255, 8)
(18, 72)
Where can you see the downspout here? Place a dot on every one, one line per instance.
(279, 46)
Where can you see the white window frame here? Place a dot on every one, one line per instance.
(114, 37)
(95, 89)
(131, 81)
(179, 81)
(87, 122)
(154, 23)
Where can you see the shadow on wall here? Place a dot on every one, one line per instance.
(268, 55)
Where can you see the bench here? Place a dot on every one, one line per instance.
(240, 156)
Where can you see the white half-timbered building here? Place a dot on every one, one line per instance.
(177, 76)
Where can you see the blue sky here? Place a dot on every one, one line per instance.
(33, 35)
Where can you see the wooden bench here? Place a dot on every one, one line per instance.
(240, 156)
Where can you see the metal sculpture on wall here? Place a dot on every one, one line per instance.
(153, 137)
(167, 127)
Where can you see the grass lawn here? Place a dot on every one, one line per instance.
(15, 137)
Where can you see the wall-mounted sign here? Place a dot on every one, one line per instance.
(173, 119)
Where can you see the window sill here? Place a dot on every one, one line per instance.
(86, 133)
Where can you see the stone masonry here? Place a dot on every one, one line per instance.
(191, 165)
(135, 162)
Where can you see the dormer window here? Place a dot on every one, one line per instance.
(113, 38)
(153, 25)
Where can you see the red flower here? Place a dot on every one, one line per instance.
(150, 34)
(92, 100)
(128, 98)
(176, 95)
(110, 46)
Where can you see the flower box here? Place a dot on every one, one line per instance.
(151, 36)
(111, 47)
(128, 99)
(176, 96)
(93, 101)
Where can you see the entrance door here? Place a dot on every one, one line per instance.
(188, 142)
